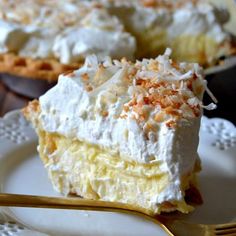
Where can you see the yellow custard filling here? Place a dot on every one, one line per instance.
(151, 42)
(189, 48)
(86, 170)
(199, 48)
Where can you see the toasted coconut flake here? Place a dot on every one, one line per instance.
(211, 106)
(157, 90)
(193, 101)
(210, 94)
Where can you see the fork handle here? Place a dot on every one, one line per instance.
(20, 200)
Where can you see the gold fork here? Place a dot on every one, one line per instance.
(173, 227)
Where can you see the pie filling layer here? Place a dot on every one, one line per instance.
(86, 170)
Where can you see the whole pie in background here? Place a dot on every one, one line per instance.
(42, 39)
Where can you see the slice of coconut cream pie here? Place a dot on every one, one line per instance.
(122, 131)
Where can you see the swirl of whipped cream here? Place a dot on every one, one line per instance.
(183, 18)
(99, 33)
(68, 32)
(199, 19)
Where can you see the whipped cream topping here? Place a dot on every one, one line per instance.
(144, 18)
(174, 17)
(202, 18)
(67, 31)
(100, 34)
(147, 112)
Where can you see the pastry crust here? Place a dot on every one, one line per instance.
(45, 69)
(31, 111)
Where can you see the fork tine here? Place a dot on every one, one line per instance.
(226, 229)
(225, 226)
(226, 234)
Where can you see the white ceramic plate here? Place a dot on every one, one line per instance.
(229, 63)
(21, 171)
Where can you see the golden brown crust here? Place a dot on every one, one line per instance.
(31, 111)
(45, 69)
(159, 3)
